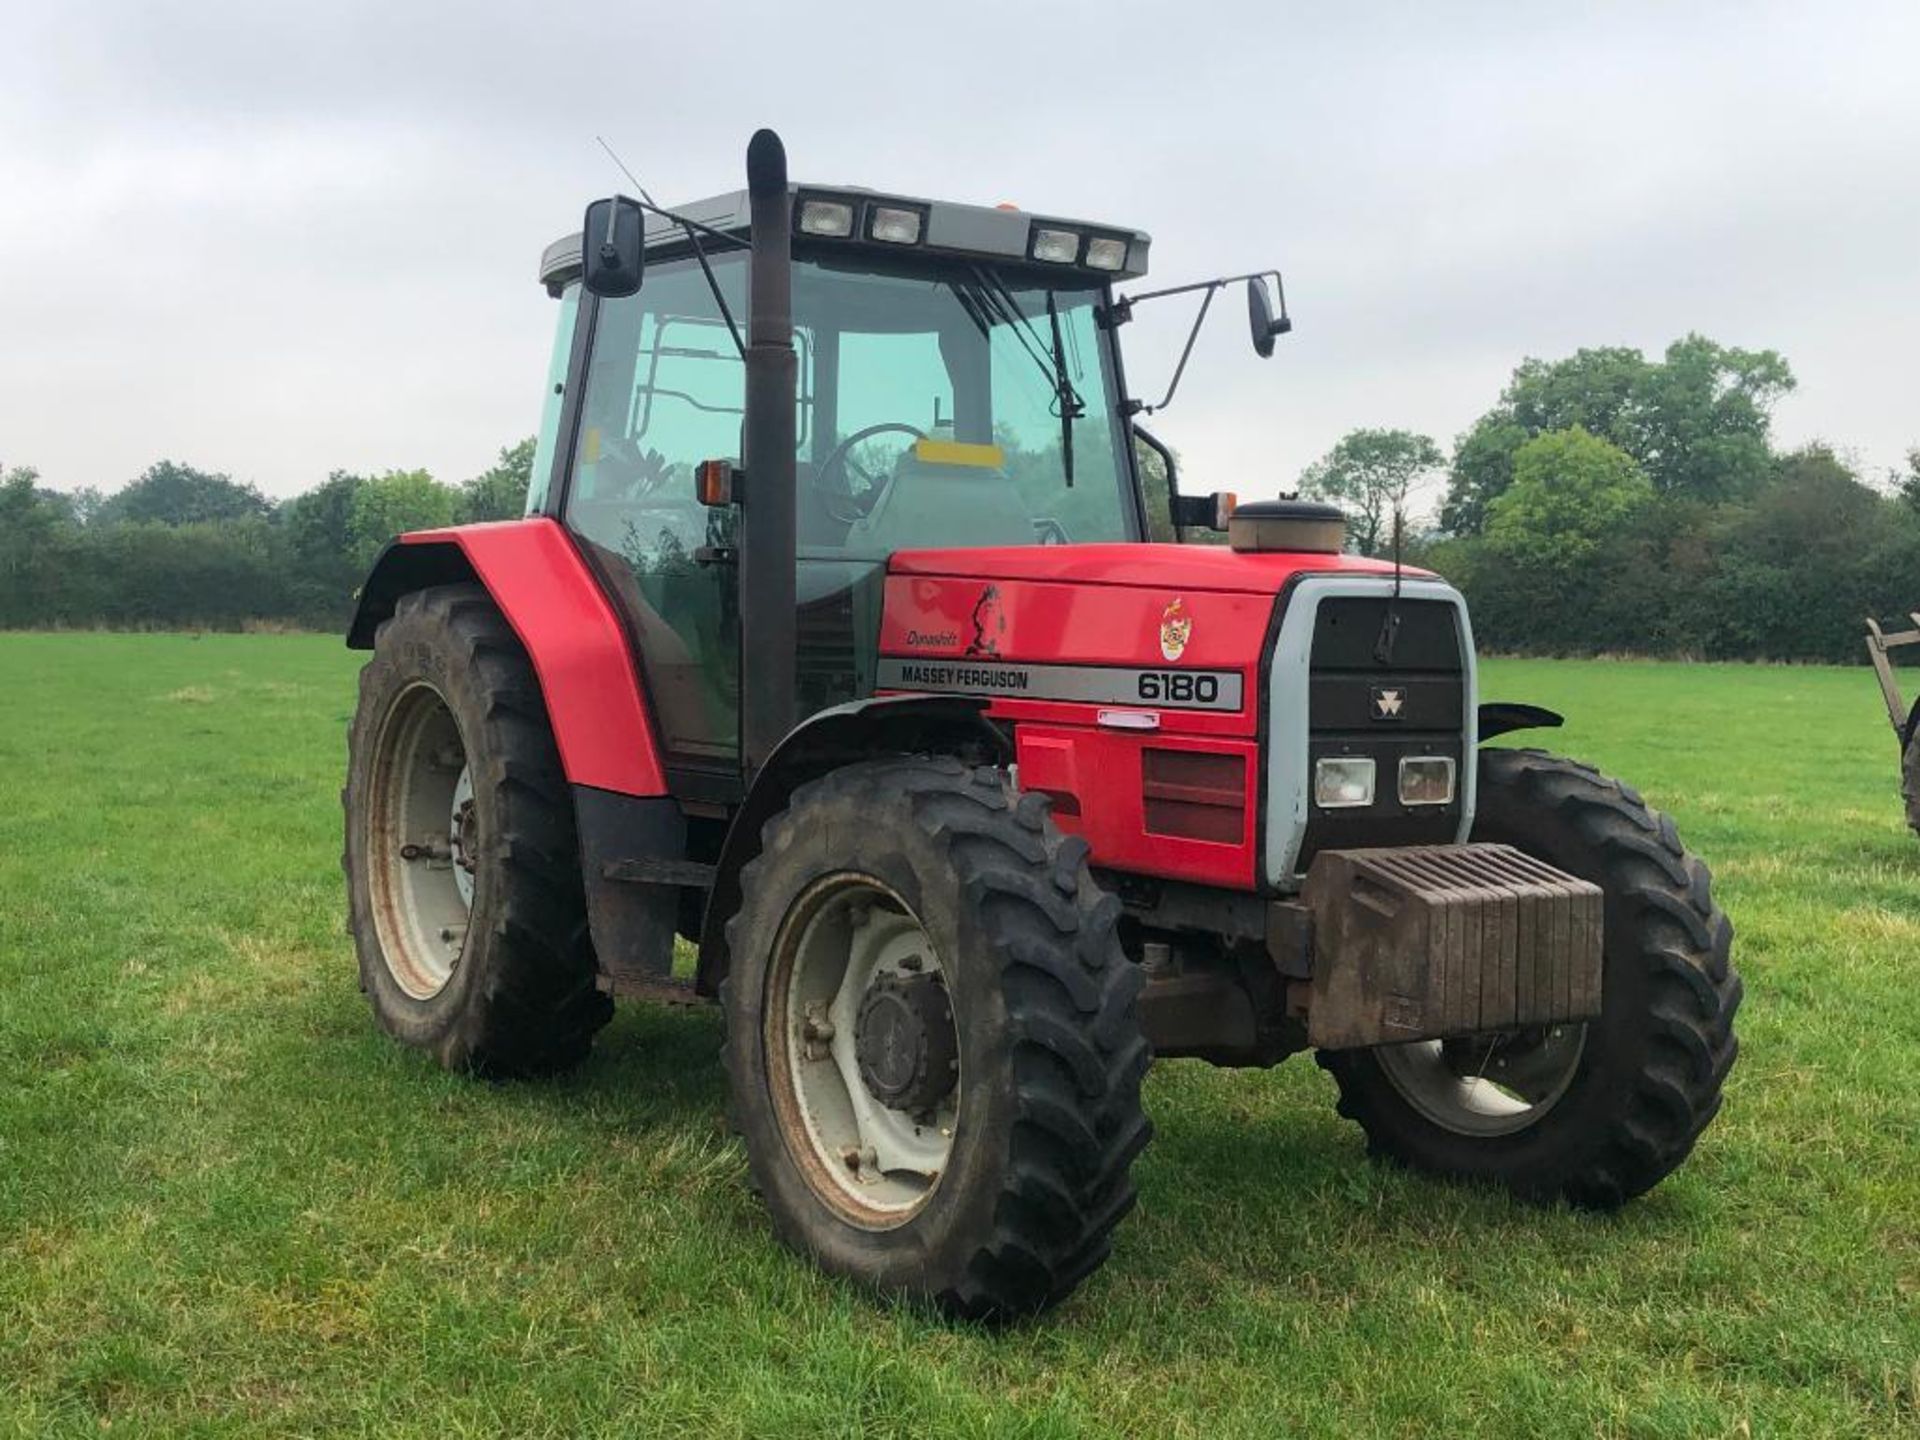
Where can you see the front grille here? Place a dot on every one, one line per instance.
(1386, 678)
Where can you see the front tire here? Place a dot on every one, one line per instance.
(968, 1140)
(1596, 1113)
(463, 878)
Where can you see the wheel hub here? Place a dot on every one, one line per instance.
(463, 835)
(908, 1052)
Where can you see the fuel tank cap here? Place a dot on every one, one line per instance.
(1298, 525)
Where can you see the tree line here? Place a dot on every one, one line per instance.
(1607, 502)
(1613, 503)
(180, 547)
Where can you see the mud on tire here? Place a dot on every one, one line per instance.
(1051, 1056)
(1649, 1074)
(520, 999)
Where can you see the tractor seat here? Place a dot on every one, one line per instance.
(962, 506)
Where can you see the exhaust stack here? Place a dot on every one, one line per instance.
(767, 525)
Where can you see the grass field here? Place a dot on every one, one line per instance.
(228, 1206)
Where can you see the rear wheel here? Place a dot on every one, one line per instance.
(1597, 1112)
(1910, 782)
(931, 1041)
(464, 890)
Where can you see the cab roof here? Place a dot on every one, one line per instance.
(947, 228)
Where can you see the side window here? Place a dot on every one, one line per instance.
(665, 391)
(549, 433)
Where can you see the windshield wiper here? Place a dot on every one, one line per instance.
(988, 301)
(1072, 407)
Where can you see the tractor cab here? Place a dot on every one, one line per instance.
(957, 384)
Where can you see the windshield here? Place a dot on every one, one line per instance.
(957, 408)
(939, 405)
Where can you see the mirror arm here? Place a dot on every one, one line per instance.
(693, 239)
(1212, 287)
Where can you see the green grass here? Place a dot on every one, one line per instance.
(228, 1206)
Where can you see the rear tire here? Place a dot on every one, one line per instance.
(450, 693)
(1045, 1044)
(1645, 1078)
(1910, 782)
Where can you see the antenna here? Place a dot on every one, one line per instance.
(601, 141)
(1390, 622)
(1399, 524)
(693, 239)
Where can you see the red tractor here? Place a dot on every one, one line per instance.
(838, 648)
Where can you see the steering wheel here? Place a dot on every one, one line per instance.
(841, 460)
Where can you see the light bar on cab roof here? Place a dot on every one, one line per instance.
(826, 217)
(1056, 247)
(894, 224)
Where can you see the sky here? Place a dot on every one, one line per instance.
(277, 241)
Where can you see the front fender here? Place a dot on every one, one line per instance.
(1503, 717)
(843, 735)
(588, 678)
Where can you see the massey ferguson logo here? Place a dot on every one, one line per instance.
(1388, 702)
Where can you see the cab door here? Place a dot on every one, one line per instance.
(663, 390)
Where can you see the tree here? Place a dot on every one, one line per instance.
(1697, 421)
(1571, 491)
(1906, 484)
(173, 494)
(321, 545)
(1368, 474)
(394, 503)
(500, 492)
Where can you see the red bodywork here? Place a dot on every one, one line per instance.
(1069, 604)
(1107, 605)
(587, 673)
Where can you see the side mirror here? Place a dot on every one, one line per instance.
(1260, 316)
(613, 247)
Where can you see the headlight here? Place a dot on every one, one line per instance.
(1343, 782)
(1106, 253)
(826, 217)
(1426, 780)
(1056, 247)
(900, 227)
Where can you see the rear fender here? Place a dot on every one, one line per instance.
(601, 721)
(862, 730)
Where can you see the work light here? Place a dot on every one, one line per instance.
(1343, 782)
(826, 217)
(1056, 247)
(1106, 253)
(1426, 780)
(898, 227)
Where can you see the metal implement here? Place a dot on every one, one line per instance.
(1878, 644)
(1424, 942)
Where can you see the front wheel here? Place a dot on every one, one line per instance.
(931, 1040)
(1599, 1112)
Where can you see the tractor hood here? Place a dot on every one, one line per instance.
(1179, 567)
(1068, 627)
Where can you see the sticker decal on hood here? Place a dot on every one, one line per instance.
(1176, 628)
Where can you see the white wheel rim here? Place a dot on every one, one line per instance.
(421, 843)
(875, 1164)
(1486, 1085)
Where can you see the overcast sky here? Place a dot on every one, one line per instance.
(276, 240)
